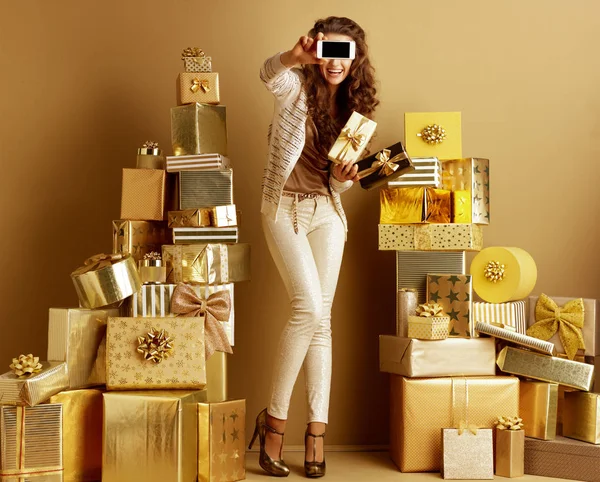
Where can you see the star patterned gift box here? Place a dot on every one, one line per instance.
(469, 181)
(453, 292)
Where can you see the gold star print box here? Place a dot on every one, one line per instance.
(144, 353)
(433, 134)
(453, 292)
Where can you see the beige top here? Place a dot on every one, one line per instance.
(311, 172)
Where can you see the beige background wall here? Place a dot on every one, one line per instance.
(85, 83)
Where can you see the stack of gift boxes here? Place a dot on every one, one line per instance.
(136, 383)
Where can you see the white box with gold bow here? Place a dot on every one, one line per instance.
(198, 87)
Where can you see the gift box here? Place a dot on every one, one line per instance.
(138, 237)
(503, 274)
(31, 446)
(81, 434)
(443, 358)
(577, 312)
(151, 435)
(216, 377)
(412, 268)
(224, 216)
(516, 338)
(510, 316)
(197, 162)
(199, 129)
(203, 235)
(538, 407)
(469, 181)
(546, 368)
(36, 388)
(430, 328)
(433, 134)
(152, 269)
(221, 441)
(453, 292)
(409, 205)
(406, 305)
(581, 417)
(467, 455)
(189, 218)
(205, 188)
(510, 453)
(562, 458)
(74, 336)
(198, 87)
(207, 264)
(428, 172)
(105, 279)
(387, 165)
(422, 407)
(194, 60)
(149, 156)
(353, 140)
(143, 194)
(155, 353)
(426, 237)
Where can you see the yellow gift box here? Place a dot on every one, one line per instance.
(469, 181)
(409, 205)
(155, 353)
(430, 237)
(199, 129)
(510, 453)
(467, 455)
(221, 441)
(539, 407)
(199, 87)
(433, 134)
(138, 237)
(581, 417)
(151, 435)
(353, 140)
(143, 194)
(36, 388)
(453, 292)
(431, 328)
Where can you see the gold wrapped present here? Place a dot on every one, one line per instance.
(105, 279)
(207, 263)
(430, 237)
(421, 407)
(524, 341)
(151, 269)
(510, 316)
(443, 358)
(467, 454)
(538, 406)
(143, 194)
(216, 377)
(35, 388)
(469, 181)
(154, 353)
(453, 292)
(510, 453)
(138, 237)
(205, 188)
(31, 446)
(353, 140)
(151, 435)
(189, 218)
(546, 368)
(199, 129)
(503, 274)
(429, 323)
(433, 134)
(581, 417)
(198, 87)
(221, 441)
(74, 336)
(82, 434)
(386, 165)
(409, 205)
(428, 172)
(149, 156)
(205, 235)
(195, 60)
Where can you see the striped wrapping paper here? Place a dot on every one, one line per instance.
(205, 188)
(428, 172)
(205, 235)
(197, 162)
(510, 316)
(525, 341)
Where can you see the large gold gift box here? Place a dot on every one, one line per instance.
(410, 205)
(36, 388)
(74, 336)
(198, 87)
(422, 407)
(353, 140)
(221, 441)
(143, 194)
(440, 358)
(426, 237)
(31, 447)
(199, 129)
(207, 263)
(425, 138)
(82, 434)
(581, 417)
(151, 435)
(467, 455)
(453, 292)
(539, 406)
(138, 237)
(469, 181)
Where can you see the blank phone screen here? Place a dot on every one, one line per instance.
(336, 50)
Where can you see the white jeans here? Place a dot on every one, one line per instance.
(309, 264)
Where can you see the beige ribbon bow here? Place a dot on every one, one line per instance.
(198, 84)
(98, 261)
(216, 309)
(354, 139)
(463, 427)
(384, 164)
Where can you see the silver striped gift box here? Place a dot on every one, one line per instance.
(412, 268)
(205, 188)
(428, 172)
(507, 315)
(197, 162)
(205, 235)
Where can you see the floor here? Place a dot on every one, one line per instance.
(353, 466)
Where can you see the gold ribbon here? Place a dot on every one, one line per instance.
(428, 310)
(98, 261)
(463, 427)
(198, 84)
(192, 52)
(26, 365)
(460, 402)
(150, 145)
(354, 139)
(509, 423)
(433, 134)
(567, 320)
(156, 345)
(216, 310)
(494, 271)
(383, 162)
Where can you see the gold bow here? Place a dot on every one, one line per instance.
(153, 255)
(463, 427)
(509, 423)
(216, 309)
(494, 271)
(150, 145)
(428, 310)
(98, 261)
(192, 52)
(26, 365)
(567, 320)
(433, 134)
(198, 84)
(383, 162)
(156, 346)
(355, 139)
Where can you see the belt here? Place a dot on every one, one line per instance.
(299, 197)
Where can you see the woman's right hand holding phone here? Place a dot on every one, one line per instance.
(304, 52)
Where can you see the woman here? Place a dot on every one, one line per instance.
(304, 222)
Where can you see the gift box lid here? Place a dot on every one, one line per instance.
(563, 445)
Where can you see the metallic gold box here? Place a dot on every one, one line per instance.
(421, 127)
(410, 205)
(467, 455)
(581, 417)
(469, 180)
(454, 293)
(353, 140)
(143, 194)
(435, 237)
(205, 188)
(510, 453)
(199, 129)
(198, 87)
(189, 218)
(138, 237)
(34, 389)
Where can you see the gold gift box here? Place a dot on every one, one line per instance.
(197, 64)
(150, 158)
(510, 453)
(546, 368)
(353, 140)
(539, 407)
(207, 263)
(581, 417)
(82, 434)
(151, 435)
(36, 388)
(199, 129)
(198, 87)
(426, 237)
(467, 455)
(430, 328)
(510, 316)
(410, 205)
(421, 407)
(138, 237)
(443, 358)
(128, 369)
(143, 194)
(221, 441)
(216, 377)
(451, 145)
(453, 292)
(189, 218)
(74, 336)
(469, 179)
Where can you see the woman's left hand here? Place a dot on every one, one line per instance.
(346, 171)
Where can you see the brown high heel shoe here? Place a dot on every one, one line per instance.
(314, 469)
(277, 468)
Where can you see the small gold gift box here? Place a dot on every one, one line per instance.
(198, 87)
(433, 328)
(36, 388)
(413, 205)
(143, 194)
(149, 156)
(195, 60)
(467, 454)
(138, 238)
(510, 449)
(352, 142)
(189, 218)
(433, 134)
(199, 129)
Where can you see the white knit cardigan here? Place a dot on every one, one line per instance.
(287, 135)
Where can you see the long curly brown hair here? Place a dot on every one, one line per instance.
(356, 93)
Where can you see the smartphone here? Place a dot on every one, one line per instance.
(336, 49)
